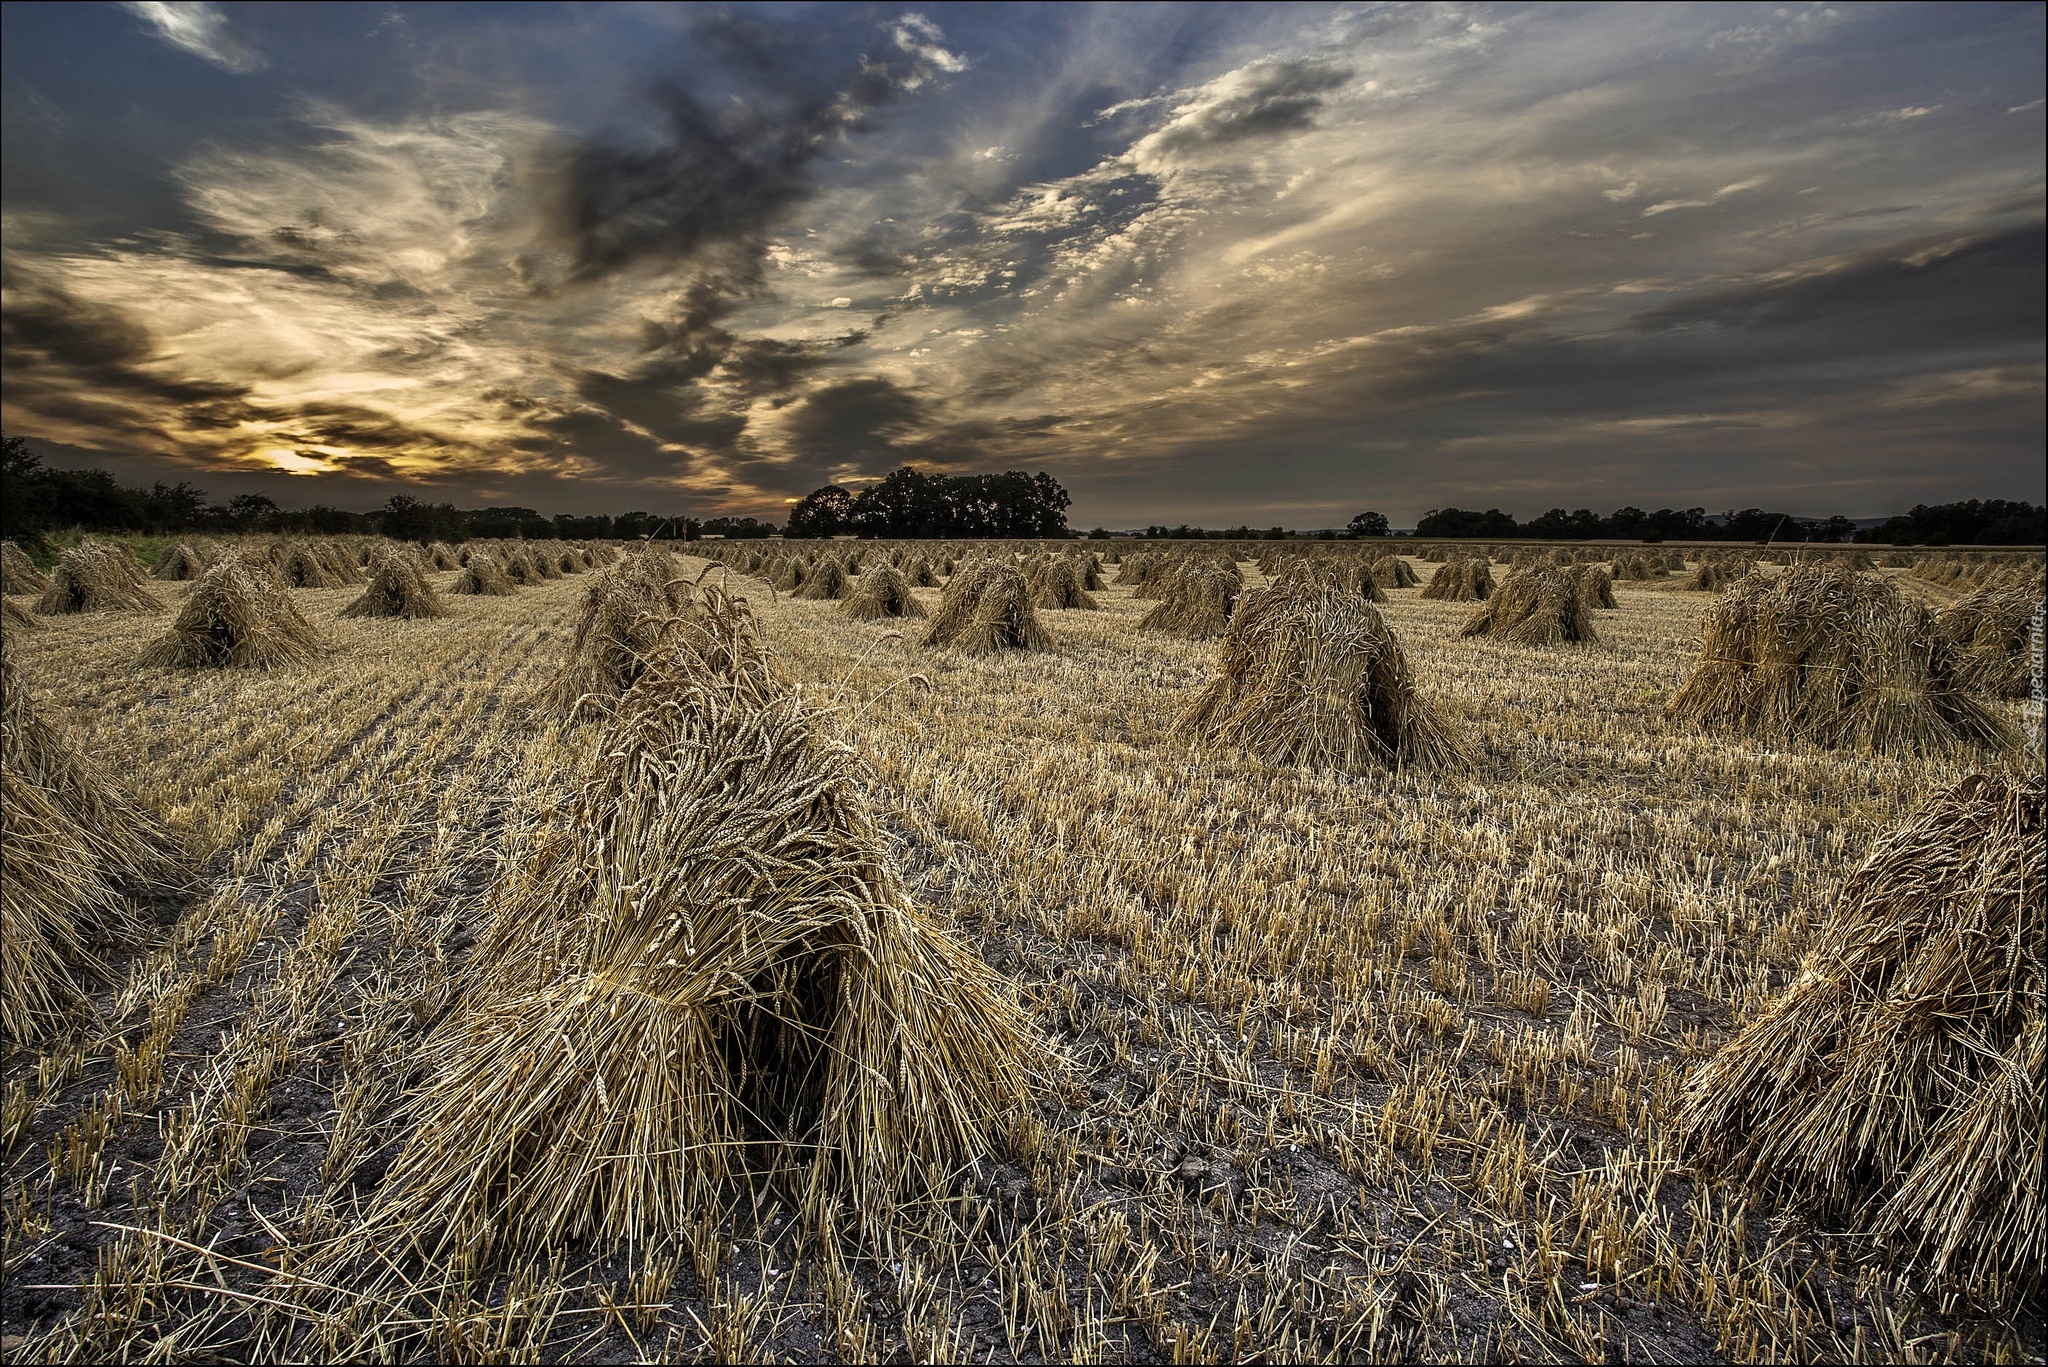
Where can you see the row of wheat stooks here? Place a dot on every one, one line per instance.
(1309, 671)
(240, 613)
(1817, 652)
(1900, 1077)
(716, 965)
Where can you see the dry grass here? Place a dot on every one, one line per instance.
(1197, 599)
(1713, 575)
(483, 577)
(826, 581)
(1594, 586)
(985, 608)
(1988, 629)
(301, 565)
(1143, 572)
(237, 618)
(1536, 606)
(545, 559)
(520, 566)
(95, 577)
(1060, 583)
(345, 563)
(1344, 572)
(1310, 674)
(179, 563)
(1003, 618)
(397, 589)
(883, 591)
(714, 967)
(627, 610)
(1392, 572)
(17, 617)
(1826, 656)
(642, 609)
(1638, 567)
(1460, 581)
(1900, 1077)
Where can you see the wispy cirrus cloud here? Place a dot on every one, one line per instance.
(200, 28)
(1665, 206)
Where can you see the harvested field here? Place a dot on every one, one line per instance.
(1320, 1064)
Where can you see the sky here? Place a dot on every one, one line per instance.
(1218, 264)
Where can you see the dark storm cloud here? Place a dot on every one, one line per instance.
(1992, 284)
(84, 365)
(1263, 99)
(863, 422)
(723, 172)
(47, 334)
(661, 392)
(670, 409)
(1894, 311)
(868, 425)
(769, 366)
(603, 444)
(702, 196)
(352, 425)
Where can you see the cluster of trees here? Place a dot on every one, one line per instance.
(912, 503)
(1238, 533)
(1981, 522)
(1633, 524)
(38, 499)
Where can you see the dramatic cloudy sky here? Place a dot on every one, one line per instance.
(1218, 263)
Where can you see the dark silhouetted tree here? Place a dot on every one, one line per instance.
(822, 512)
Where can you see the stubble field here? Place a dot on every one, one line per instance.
(1337, 1067)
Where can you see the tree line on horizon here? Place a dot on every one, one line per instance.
(1982, 522)
(36, 500)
